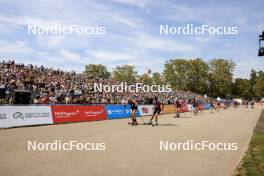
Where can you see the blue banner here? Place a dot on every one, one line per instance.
(118, 111)
(206, 106)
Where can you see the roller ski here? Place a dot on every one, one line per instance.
(134, 122)
(154, 124)
(177, 115)
(149, 123)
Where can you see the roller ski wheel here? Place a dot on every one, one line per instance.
(134, 123)
(154, 124)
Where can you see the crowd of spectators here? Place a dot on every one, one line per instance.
(49, 86)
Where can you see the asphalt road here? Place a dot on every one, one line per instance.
(131, 150)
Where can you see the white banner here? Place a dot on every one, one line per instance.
(145, 110)
(11, 116)
(190, 107)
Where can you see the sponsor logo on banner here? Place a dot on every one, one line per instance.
(20, 115)
(93, 113)
(3, 120)
(12, 116)
(145, 110)
(66, 114)
(3, 116)
(118, 111)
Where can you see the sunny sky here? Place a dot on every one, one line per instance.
(132, 32)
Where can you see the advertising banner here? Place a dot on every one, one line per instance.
(184, 108)
(118, 111)
(206, 106)
(65, 114)
(200, 107)
(93, 113)
(12, 116)
(145, 110)
(190, 107)
(168, 109)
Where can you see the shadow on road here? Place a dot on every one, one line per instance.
(167, 124)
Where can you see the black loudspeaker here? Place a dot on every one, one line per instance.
(22, 97)
(2, 93)
(261, 47)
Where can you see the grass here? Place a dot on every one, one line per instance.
(253, 162)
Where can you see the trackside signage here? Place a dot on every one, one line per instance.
(118, 111)
(93, 113)
(66, 114)
(12, 116)
(145, 110)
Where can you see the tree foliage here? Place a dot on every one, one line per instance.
(176, 73)
(187, 75)
(97, 71)
(124, 73)
(157, 78)
(241, 88)
(220, 77)
(214, 78)
(260, 85)
(145, 79)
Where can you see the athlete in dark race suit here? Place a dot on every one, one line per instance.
(133, 109)
(156, 111)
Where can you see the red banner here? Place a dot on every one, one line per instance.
(93, 113)
(184, 108)
(65, 114)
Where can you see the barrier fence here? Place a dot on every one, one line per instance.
(66, 114)
(13, 116)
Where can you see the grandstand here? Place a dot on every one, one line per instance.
(50, 86)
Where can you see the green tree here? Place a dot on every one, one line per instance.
(253, 81)
(124, 73)
(97, 71)
(260, 86)
(221, 75)
(157, 78)
(176, 73)
(241, 88)
(145, 79)
(198, 75)
(187, 74)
